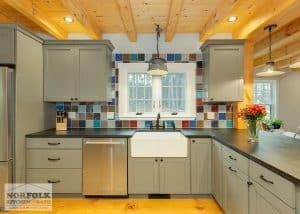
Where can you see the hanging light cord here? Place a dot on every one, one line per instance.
(158, 30)
(270, 43)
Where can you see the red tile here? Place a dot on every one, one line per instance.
(133, 124)
(185, 124)
(199, 102)
(214, 108)
(199, 72)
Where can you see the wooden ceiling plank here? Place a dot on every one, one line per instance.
(90, 25)
(174, 14)
(261, 16)
(285, 52)
(285, 35)
(220, 13)
(286, 62)
(125, 10)
(37, 16)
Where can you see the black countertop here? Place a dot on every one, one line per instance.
(274, 151)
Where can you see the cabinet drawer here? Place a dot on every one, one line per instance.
(201, 140)
(64, 180)
(54, 143)
(236, 159)
(54, 158)
(282, 188)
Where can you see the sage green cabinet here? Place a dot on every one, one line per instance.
(217, 172)
(158, 175)
(201, 166)
(7, 44)
(77, 71)
(223, 70)
(261, 201)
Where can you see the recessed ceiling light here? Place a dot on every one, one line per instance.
(232, 19)
(68, 19)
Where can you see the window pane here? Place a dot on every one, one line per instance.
(264, 94)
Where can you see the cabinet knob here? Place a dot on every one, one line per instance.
(193, 141)
(156, 160)
(72, 99)
(211, 99)
(76, 98)
(161, 160)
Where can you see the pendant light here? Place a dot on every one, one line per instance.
(269, 69)
(295, 64)
(157, 65)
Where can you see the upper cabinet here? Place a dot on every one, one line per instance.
(77, 71)
(223, 70)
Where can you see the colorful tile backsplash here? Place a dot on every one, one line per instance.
(105, 115)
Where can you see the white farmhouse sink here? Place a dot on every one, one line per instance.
(159, 144)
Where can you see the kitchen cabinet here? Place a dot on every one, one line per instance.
(158, 175)
(217, 172)
(261, 201)
(223, 70)
(7, 44)
(77, 71)
(201, 159)
(57, 161)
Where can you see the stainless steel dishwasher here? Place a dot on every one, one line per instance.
(105, 167)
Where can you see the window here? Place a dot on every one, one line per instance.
(143, 96)
(265, 94)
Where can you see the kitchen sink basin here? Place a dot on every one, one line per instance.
(159, 144)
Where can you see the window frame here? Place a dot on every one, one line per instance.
(274, 91)
(190, 91)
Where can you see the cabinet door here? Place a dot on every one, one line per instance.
(59, 73)
(93, 74)
(261, 201)
(235, 190)
(225, 73)
(201, 166)
(174, 175)
(7, 44)
(143, 175)
(217, 172)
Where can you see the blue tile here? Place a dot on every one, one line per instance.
(89, 108)
(199, 64)
(119, 57)
(192, 124)
(69, 124)
(113, 102)
(113, 79)
(97, 123)
(81, 123)
(169, 124)
(214, 124)
(177, 57)
(60, 107)
(222, 116)
(170, 57)
(118, 124)
(141, 57)
(82, 108)
(229, 124)
(148, 123)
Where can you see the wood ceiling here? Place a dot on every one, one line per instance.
(206, 17)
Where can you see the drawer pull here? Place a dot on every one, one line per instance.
(53, 144)
(53, 159)
(53, 182)
(232, 158)
(232, 170)
(266, 180)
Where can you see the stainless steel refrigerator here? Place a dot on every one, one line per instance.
(7, 112)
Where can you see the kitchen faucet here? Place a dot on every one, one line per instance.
(157, 126)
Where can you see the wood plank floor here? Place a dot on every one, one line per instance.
(132, 206)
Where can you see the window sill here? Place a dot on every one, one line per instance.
(162, 118)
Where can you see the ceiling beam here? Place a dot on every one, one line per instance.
(174, 13)
(266, 11)
(217, 17)
(90, 25)
(125, 10)
(39, 17)
(285, 52)
(285, 35)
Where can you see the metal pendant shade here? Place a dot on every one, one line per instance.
(157, 65)
(269, 69)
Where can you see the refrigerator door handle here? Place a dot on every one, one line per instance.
(4, 114)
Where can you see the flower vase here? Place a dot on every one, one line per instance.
(253, 129)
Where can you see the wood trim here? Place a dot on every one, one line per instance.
(39, 17)
(127, 18)
(216, 18)
(174, 13)
(91, 26)
(287, 34)
(248, 84)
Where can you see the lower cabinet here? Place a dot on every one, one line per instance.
(261, 201)
(235, 190)
(57, 161)
(217, 172)
(201, 166)
(158, 175)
